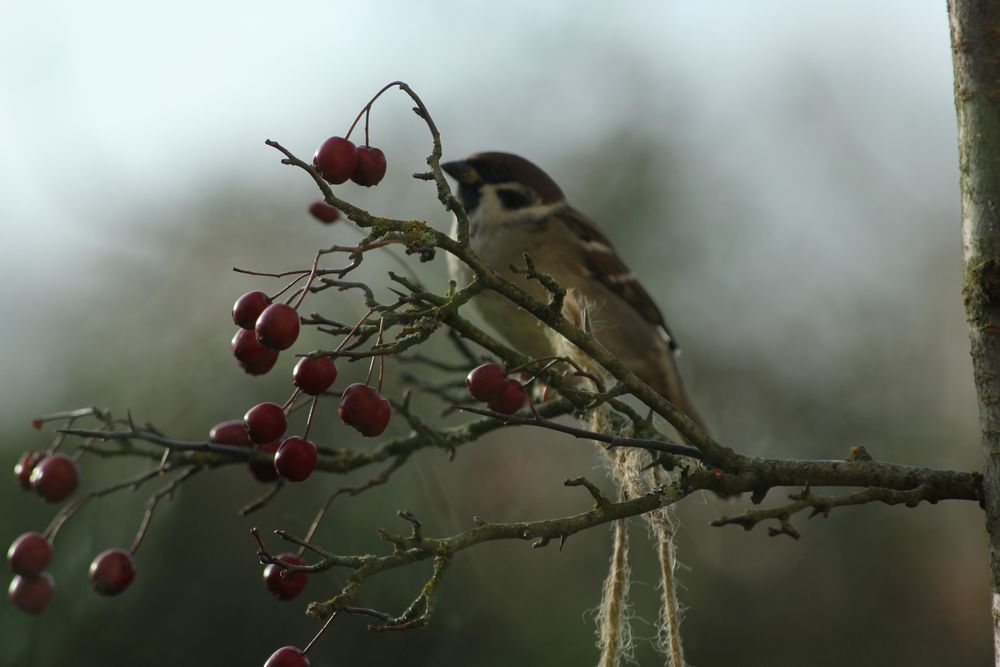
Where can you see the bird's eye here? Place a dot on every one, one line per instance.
(513, 198)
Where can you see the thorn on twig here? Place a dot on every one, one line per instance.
(785, 529)
(407, 516)
(600, 500)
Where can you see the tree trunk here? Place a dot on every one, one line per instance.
(975, 41)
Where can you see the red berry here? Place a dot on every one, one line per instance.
(511, 400)
(278, 326)
(254, 358)
(29, 555)
(285, 587)
(295, 459)
(232, 432)
(263, 471)
(323, 211)
(24, 466)
(363, 408)
(336, 159)
(112, 571)
(248, 308)
(37, 424)
(371, 166)
(55, 477)
(486, 382)
(265, 422)
(314, 375)
(287, 656)
(31, 594)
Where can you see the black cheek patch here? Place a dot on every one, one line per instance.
(512, 199)
(469, 196)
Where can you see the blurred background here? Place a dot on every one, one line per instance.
(781, 174)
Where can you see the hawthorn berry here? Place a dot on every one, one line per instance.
(55, 477)
(24, 466)
(287, 656)
(29, 554)
(323, 212)
(278, 326)
(486, 382)
(295, 458)
(371, 166)
(263, 471)
(253, 357)
(265, 422)
(31, 594)
(248, 308)
(511, 400)
(314, 375)
(285, 587)
(336, 159)
(232, 432)
(112, 571)
(363, 408)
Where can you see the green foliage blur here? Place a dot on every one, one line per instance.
(804, 249)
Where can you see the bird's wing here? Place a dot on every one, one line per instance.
(604, 264)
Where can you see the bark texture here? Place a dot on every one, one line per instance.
(975, 40)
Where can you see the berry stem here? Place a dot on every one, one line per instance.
(371, 365)
(147, 517)
(291, 400)
(312, 277)
(274, 297)
(321, 631)
(381, 357)
(368, 107)
(309, 419)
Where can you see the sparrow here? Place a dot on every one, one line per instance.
(514, 208)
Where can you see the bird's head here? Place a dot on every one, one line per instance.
(504, 187)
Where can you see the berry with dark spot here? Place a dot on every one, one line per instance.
(285, 586)
(278, 326)
(314, 375)
(295, 459)
(265, 422)
(112, 571)
(55, 477)
(29, 555)
(486, 382)
(371, 166)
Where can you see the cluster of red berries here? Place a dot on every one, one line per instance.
(489, 383)
(55, 477)
(337, 160)
(31, 588)
(265, 329)
(295, 457)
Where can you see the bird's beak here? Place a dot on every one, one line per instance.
(462, 172)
